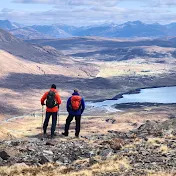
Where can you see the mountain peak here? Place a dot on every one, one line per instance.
(7, 25)
(134, 22)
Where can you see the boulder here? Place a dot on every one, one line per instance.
(4, 155)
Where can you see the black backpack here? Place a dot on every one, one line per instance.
(50, 101)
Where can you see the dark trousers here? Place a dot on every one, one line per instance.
(78, 124)
(54, 122)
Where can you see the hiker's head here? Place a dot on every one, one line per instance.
(53, 86)
(75, 90)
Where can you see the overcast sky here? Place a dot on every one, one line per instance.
(87, 12)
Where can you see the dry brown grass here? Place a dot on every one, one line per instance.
(162, 174)
(164, 149)
(112, 165)
(5, 134)
(136, 66)
(31, 125)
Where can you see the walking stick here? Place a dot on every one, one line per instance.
(42, 121)
(58, 119)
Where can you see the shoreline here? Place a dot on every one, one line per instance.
(137, 91)
(134, 91)
(139, 105)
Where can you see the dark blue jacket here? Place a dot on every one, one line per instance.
(79, 111)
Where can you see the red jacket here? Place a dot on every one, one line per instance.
(57, 99)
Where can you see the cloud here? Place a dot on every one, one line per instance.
(70, 2)
(35, 1)
(161, 3)
(96, 2)
(88, 12)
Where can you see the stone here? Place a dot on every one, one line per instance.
(20, 165)
(4, 155)
(44, 160)
(112, 121)
(47, 152)
(92, 161)
(50, 143)
(15, 143)
(31, 149)
(116, 144)
(107, 153)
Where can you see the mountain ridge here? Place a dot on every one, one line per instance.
(130, 29)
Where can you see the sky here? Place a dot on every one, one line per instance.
(87, 12)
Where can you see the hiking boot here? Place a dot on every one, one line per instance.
(45, 135)
(65, 134)
(77, 135)
(53, 135)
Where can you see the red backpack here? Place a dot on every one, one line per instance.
(76, 102)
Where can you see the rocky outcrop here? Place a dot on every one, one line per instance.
(143, 151)
(156, 128)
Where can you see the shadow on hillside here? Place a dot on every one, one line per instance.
(9, 110)
(86, 43)
(23, 82)
(122, 53)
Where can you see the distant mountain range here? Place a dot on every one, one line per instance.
(132, 29)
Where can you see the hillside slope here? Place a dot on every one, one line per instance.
(146, 150)
(27, 70)
(28, 51)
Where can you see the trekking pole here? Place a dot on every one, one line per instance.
(42, 121)
(58, 119)
(58, 122)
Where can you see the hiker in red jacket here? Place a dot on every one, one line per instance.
(75, 108)
(53, 101)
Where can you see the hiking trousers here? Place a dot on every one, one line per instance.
(78, 124)
(54, 122)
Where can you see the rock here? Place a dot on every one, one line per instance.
(47, 152)
(1, 160)
(15, 143)
(107, 153)
(92, 161)
(92, 153)
(112, 121)
(50, 143)
(4, 155)
(44, 160)
(134, 124)
(20, 165)
(156, 128)
(117, 144)
(31, 149)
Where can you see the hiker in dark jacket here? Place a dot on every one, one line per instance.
(75, 108)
